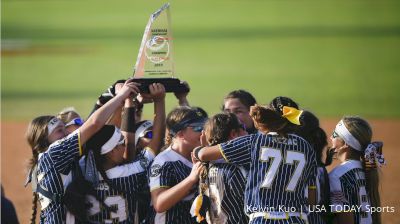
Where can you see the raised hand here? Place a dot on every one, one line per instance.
(182, 97)
(196, 169)
(129, 89)
(157, 92)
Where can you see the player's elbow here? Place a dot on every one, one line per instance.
(201, 155)
(209, 153)
(159, 208)
(159, 204)
(94, 123)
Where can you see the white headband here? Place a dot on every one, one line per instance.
(112, 142)
(345, 134)
(140, 131)
(53, 123)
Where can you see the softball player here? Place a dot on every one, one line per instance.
(310, 130)
(355, 181)
(71, 119)
(54, 153)
(173, 177)
(239, 102)
(120, 182)
(281, 165)
(226, 181)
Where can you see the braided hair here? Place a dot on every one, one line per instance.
(37, 137)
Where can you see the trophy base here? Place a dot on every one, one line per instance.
(171, 84)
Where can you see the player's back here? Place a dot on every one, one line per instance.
(120, 193)
(226, 186)
(280, 171)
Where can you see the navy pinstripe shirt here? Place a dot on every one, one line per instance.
(126, 181)
(53, 168)
(347, 182)
(168, 169)
(280, 169)
(315, 217)
(226, 191)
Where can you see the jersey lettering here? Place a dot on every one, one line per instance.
(292, 158)
(117, 203)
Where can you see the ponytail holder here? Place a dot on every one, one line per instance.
(373, 155)
(199, 208)
(201, 203)
(292, 114)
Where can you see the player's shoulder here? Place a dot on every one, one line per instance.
(163, 156)
(227, 170)
(169, 156)
(242, 139)
(335, 176)
(71, 139)
(344, 168)
(300, 139)
(227, 167)
(224, 169)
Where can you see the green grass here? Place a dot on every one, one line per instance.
(333, 57)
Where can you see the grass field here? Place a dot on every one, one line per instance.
(333, 57)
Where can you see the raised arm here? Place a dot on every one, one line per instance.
(100, 116)
(208, 153)
(127, 124)
(107, 95)
(157, 93)
(182, 97)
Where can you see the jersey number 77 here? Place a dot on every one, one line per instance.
(275, 157)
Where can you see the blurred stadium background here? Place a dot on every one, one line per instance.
(333, 57)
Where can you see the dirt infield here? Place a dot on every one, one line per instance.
(15, 154)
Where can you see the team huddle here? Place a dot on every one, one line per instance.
(247, 164)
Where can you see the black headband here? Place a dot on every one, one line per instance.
(193, 117)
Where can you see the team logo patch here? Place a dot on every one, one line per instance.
(155, 170)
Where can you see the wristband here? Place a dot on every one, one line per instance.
(128, 119)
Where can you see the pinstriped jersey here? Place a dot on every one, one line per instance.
(126, 181)
(348, 187)
(226, 187)
(315, 217)
(168, 169)
(54, 165)
(280, 169)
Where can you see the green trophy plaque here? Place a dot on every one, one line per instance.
(155, 59)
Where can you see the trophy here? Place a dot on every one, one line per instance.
(155, 59)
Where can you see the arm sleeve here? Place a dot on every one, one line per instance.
(161, 176)
(237, 151)
(63, 152)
